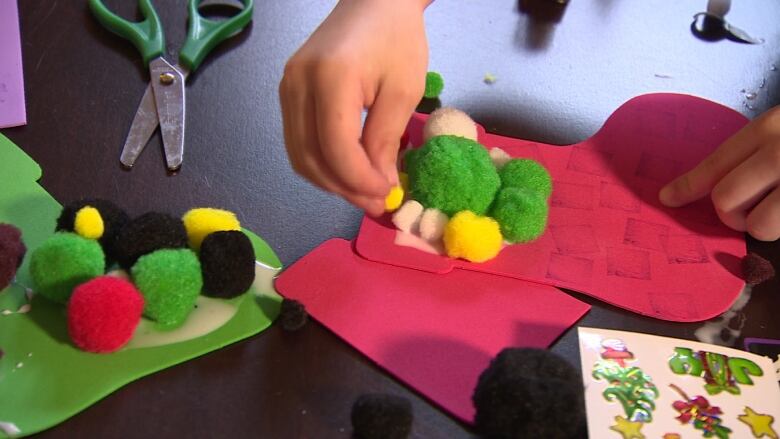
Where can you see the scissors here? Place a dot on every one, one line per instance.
(163, 100)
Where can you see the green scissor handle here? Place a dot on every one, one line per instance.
(147, 35)
(204, 34)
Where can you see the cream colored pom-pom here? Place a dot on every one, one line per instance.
(450, 121)
(407, 217)
(432, 224)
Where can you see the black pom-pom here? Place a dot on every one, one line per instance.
(147, 233)
(12, 252)
(292, 315)
(228, 263)
(114, 218)
(756, 269)
(529, 393)
(381, 416)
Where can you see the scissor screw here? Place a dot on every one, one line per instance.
(167, 78)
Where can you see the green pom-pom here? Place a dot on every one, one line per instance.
(521, 213)
(528, 174)
(64, 261)
(452, 173)
(434, 84)
(409, 157)
(170, 281)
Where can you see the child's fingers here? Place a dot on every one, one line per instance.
(763, 222)
(307, 158)
(385, 124)
(338, 106)
(698, 182)
(745, 186)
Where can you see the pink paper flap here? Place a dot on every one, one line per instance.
(608, 236)
(434, 332)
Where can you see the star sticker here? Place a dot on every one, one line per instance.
(628, 429)
(760, 425)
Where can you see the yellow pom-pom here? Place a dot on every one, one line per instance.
(473, 238)
(88, 223)
(202, 221)
(403, 180)
(394, 199)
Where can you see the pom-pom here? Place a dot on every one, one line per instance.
(103, 314)
(204, 220)
(522, 214)
(434, 84)
(12, 252)
(292, 315)
(449, 121)
(473, 238)
(381, 416)
(170, 281)
(113, 219)
(408, 161)
(529, 393)
(64, 261)
(407, 217)
(147, 233)
(756, 270)
(403, 180)
(499, 157)
(88, 223)
(432, 224)
(451, 174)
(526, 174)
(394, 198)
(11, 243)
(227, 261)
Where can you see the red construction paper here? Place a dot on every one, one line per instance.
(608, 236)
(435, 332)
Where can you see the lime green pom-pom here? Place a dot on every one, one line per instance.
(434, 84)
(64, 261)
(522, 214)
(528, 174)
(452, 173)
(170, 281)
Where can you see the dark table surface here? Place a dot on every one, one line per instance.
(556, 83)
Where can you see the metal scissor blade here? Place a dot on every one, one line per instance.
(168, 86)
(144, 124)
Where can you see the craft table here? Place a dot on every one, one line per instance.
(556, 82)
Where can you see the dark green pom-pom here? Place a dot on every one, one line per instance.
(527, 174)
(522, 214)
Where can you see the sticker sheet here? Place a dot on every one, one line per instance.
(645, 386)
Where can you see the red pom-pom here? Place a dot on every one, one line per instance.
(103, 314)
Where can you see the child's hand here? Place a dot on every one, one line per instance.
(367, 54)
(742, 176)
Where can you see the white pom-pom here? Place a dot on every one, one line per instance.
(499, 157)
(407, 217)
(449, 121)
(432, 224)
